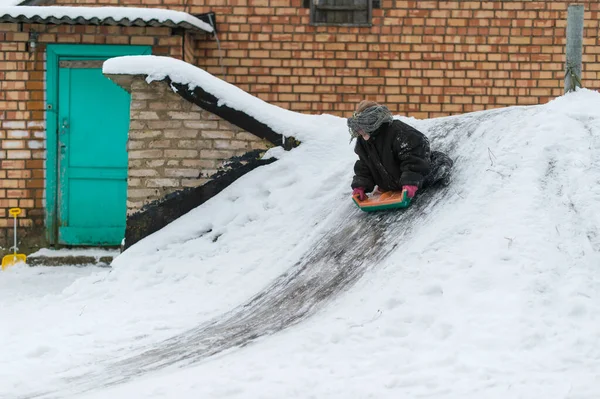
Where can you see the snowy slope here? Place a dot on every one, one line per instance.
(495, 295)
(493, 292)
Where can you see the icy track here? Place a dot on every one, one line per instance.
(279, 287)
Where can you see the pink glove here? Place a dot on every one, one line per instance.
(410, 190)
(360, 192)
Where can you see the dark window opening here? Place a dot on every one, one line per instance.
(341, 12)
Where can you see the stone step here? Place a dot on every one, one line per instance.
(72, 257)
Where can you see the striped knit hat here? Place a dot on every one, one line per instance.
(368, 117)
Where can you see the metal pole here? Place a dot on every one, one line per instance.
(574, 47)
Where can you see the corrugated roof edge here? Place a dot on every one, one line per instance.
(15, 17)
(98, 21)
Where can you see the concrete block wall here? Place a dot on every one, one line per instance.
(174, 144)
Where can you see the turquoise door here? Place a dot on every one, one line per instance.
(92, 124)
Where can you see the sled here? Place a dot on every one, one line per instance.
(383, 201)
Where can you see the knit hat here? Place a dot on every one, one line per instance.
(368, 117)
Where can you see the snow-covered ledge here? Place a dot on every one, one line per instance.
(191, 135)
(278, 126)
(174, 144)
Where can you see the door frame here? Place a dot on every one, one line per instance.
(54, 54)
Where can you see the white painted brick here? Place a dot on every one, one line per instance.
(181, 153)
(162, 183)
(144, 115)
(135, 145)
(209, 116)
(217, 134)
(141, 193)
(181, 134)
(221, 144)
(215, 154)
(190, 173)
(137, 104)
(164, 105)
(134, 182)
(13, 125)
(155, 163)
(258, 145)
(164, 124)
(15, 154)
(144, 134)
(183, 115)
(35, 144)
(200, 163)
(140, 154)
(201, 124)
(193, 182)
(247, 136)
(13, 144)
(34, 124)
(137, 125)
(143, 95)
(143, 172)
(17, 134)
(224, 125)
(160, 144)
(133, 206)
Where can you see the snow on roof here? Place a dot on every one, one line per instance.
(127, 16)
(281, 120)
(4, 3)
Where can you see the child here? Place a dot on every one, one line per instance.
(392, 155)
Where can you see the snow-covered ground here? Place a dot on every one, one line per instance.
(493, 292)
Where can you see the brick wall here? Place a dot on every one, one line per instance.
(22, 111)
(423, 58)
(173, 143)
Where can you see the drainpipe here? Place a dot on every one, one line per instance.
(574, 47)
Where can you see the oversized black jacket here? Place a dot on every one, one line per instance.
(396, 155)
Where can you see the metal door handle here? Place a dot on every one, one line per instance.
(64, 126)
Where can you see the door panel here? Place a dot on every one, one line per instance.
(93, 126)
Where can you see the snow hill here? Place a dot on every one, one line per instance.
(280, 288)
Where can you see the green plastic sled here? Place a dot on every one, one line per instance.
(383, 201)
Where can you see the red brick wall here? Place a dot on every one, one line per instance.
(422, 58)
(22, 109)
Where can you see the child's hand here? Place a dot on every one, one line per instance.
(360, 192)
(410, 190)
